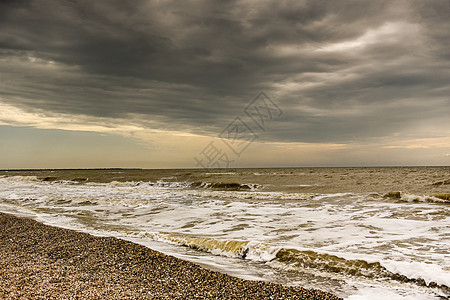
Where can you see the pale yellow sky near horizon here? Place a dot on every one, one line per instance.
(38, 140)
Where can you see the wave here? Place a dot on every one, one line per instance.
(165, 183)
(376, 270)
(21, 178)
(441, 183)
(277, 173)
(218, 247)
(219, 186)
(413, 198)
(221, 173)
(49, 179)
(230, 190)
(168, 184)
(230, 248)
(221, 190)
(420, 274)
(226, 186)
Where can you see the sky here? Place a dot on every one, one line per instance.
(170, 84)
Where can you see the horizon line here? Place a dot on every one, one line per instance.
(231, 168)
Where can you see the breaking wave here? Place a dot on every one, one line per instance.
(407, 197)
(441, 183)
(226, 186)
(420, 274)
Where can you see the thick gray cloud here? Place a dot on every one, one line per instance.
(342, 71)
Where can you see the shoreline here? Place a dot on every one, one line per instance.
(38, 260)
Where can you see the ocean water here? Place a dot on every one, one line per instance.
(361, 233)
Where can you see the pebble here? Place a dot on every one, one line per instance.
(38, 261)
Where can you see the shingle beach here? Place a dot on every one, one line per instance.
(38, 261)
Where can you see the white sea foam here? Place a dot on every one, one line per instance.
(405, 238)
(421, 198)
(377, 293)
(221, 173)
(418, 270)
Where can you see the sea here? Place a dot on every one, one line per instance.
(361, 233)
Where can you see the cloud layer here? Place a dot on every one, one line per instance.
(342, 72)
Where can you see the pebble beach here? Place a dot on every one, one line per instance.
(38, 261)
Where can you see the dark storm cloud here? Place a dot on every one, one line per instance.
(195, 65)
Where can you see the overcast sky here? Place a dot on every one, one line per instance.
(151, 83)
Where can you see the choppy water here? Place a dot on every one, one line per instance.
(362, 233)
